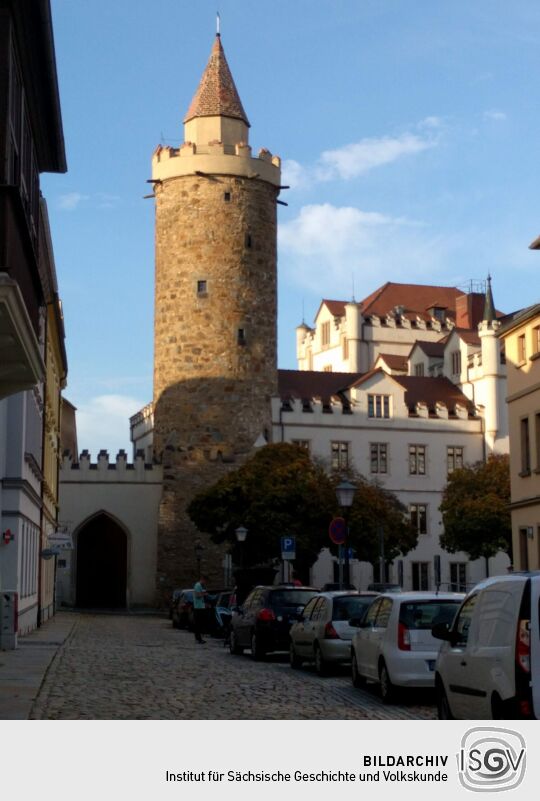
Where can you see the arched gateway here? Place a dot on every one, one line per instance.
(101, 564)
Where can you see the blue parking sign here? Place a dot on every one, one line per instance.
(288, 547)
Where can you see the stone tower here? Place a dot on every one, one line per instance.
(215, 363)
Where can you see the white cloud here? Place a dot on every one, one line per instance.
(352, 160)
(103, 422)
(71, 200)
(325, 244)
(495, 114)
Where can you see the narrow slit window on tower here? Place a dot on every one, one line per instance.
(227, 196)
(202, 288)
(248, 240)
(241, 336)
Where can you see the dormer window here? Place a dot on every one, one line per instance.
(379, 406)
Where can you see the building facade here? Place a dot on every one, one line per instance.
(215, 366)
(32, 358)
(521, 337)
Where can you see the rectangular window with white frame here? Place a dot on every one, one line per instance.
(418, 515)
(305, 444)
(417, 460)
(458, 576)
(379, 406)
(420, 576)
(454, 458)
(378, 457)
(339, 455)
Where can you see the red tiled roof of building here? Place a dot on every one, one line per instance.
(468, 336)
(313, 383)
(432, 391)
(217, 95)
(413, 297)
(335, 307)
(433, 349)
(394, 361)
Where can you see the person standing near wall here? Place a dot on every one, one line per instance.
(199, 607)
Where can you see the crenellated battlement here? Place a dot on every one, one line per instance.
(105, 469)
(215, 158)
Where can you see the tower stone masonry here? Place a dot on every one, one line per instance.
(215, 330)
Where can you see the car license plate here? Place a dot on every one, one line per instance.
(431, 664)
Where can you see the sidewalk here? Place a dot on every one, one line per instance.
(23, 670)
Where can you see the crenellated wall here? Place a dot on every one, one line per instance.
(129, 494)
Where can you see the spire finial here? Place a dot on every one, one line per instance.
(353, 298)
(218, 24)
(489, 306)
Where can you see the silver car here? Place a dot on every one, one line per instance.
(323, 634)
(394, 645)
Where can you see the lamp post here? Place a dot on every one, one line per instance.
(241, 533)
(345, 496)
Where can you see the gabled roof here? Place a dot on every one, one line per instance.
(468, 336)
(413, 297)
(433, 350)
(217, 95)
(335, 307)
(394, 361)
(313, 383)
(432, 391)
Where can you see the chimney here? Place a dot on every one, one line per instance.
(469, 309)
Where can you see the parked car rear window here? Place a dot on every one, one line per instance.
(346, 608)
(425, 614)
(291, 597)
(187, 596)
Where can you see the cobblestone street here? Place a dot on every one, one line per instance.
(127, 667)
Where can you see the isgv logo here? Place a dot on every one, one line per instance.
(491, 760)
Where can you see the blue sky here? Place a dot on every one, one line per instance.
(409, 133)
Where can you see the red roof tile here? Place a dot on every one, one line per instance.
(313, 383)
(216, 95)
(393, 361)
(432, 391)
(468, 336)
(432, 349)
(413, 297)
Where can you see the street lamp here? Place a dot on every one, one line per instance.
(345, 496)
(241, 533)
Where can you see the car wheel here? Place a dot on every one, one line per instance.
(294, 660)
(234, 648)
(387, 689)
(257, 652)
(357, 679)
(321, 666)
(443, 706)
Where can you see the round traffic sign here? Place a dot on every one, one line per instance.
(338, 530)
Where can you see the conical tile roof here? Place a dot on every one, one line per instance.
(216, 95)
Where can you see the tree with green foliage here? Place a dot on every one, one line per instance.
(375, 507)
(475, 509)
(280, 492)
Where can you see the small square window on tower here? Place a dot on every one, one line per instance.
(227, 197)
(241, 336)
(202, 288)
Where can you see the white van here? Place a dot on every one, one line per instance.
(489, 663)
